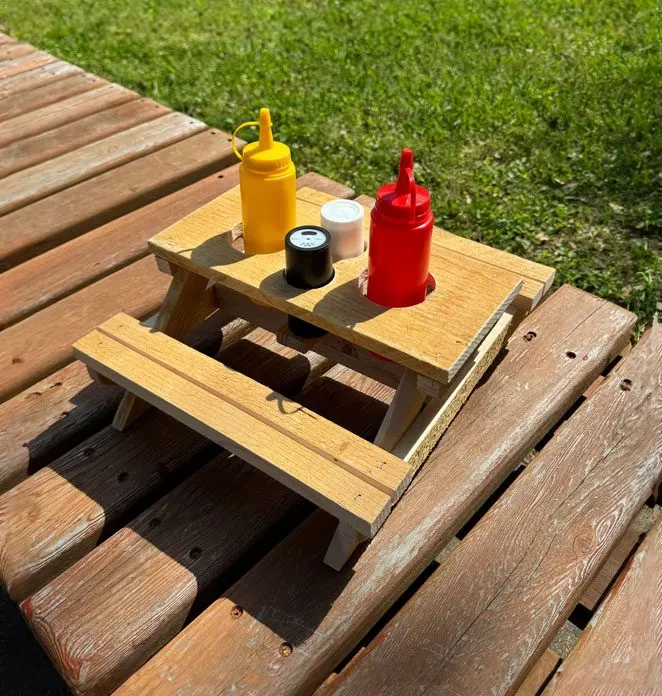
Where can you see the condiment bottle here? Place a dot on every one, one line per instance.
(267, 180)
(400, 238)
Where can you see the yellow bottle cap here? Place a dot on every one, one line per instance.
(264, 155)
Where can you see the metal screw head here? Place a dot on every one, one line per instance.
(285, 649)
(626, 384)
(236, 611)
(529, 336)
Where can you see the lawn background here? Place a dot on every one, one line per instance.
(535, 123)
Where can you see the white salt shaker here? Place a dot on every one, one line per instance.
(344, 221)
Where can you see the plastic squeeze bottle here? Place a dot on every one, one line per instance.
(400, 238)
(267, 180)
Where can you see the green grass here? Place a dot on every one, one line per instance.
(535, 123)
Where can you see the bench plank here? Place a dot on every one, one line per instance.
(488, 612)
(72, 109)
(620, 651)
(42, 343)
(68, 137)
(197, 397)
(292, 597)
(78, 209)
(42, 180)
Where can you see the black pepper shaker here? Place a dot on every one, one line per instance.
(308, 264)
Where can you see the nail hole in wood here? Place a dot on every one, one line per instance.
(236, 611)
(626, 384)
(195, 553)
(16, 361)
(154, 523)
(529, 336)
(88, 451)
(570, 354)
(122, 476)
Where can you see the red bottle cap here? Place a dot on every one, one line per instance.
(404, 199)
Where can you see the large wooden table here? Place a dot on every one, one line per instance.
(152, 561)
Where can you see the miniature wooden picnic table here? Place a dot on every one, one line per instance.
(149, 560)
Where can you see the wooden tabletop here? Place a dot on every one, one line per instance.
(152, 561)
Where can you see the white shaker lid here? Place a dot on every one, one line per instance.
(344, 221)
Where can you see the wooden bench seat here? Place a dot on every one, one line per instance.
(349, 477)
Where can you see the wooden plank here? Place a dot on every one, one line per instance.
(40, 344)
(538, 279)
(620, 652)
(441, 332)
(104, 617)
(308, 473)
(6, 39)
(51, 92)
(23, 82)
(498, 425)
(618, 557)
(65, 111)
(70, 502)
(31, 61)
(52, 416)
(69, 213)
(487, 613)
(15, 50)
(540, 673)
(46, 146)
(275, 411)
(42, 180)
(46, 278)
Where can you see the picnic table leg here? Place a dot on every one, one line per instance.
(405, 407)
(178, 314)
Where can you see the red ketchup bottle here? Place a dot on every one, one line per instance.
(400, 237)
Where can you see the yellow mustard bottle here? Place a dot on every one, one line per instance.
(267, 180)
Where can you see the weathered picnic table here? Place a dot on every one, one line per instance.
(151, 561)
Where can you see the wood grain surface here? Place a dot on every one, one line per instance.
(70, 168)
(487, 613)
(38, 77)
(40, 344)
(321, 613)
(65, 111)
(441, 332)
(44, 224)
(15, 50)
(620, 651)
(72, 81)
(619, 556)
(70, 136)
(52, 416)
(29, 62)
(349, 477)
(46, 278)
